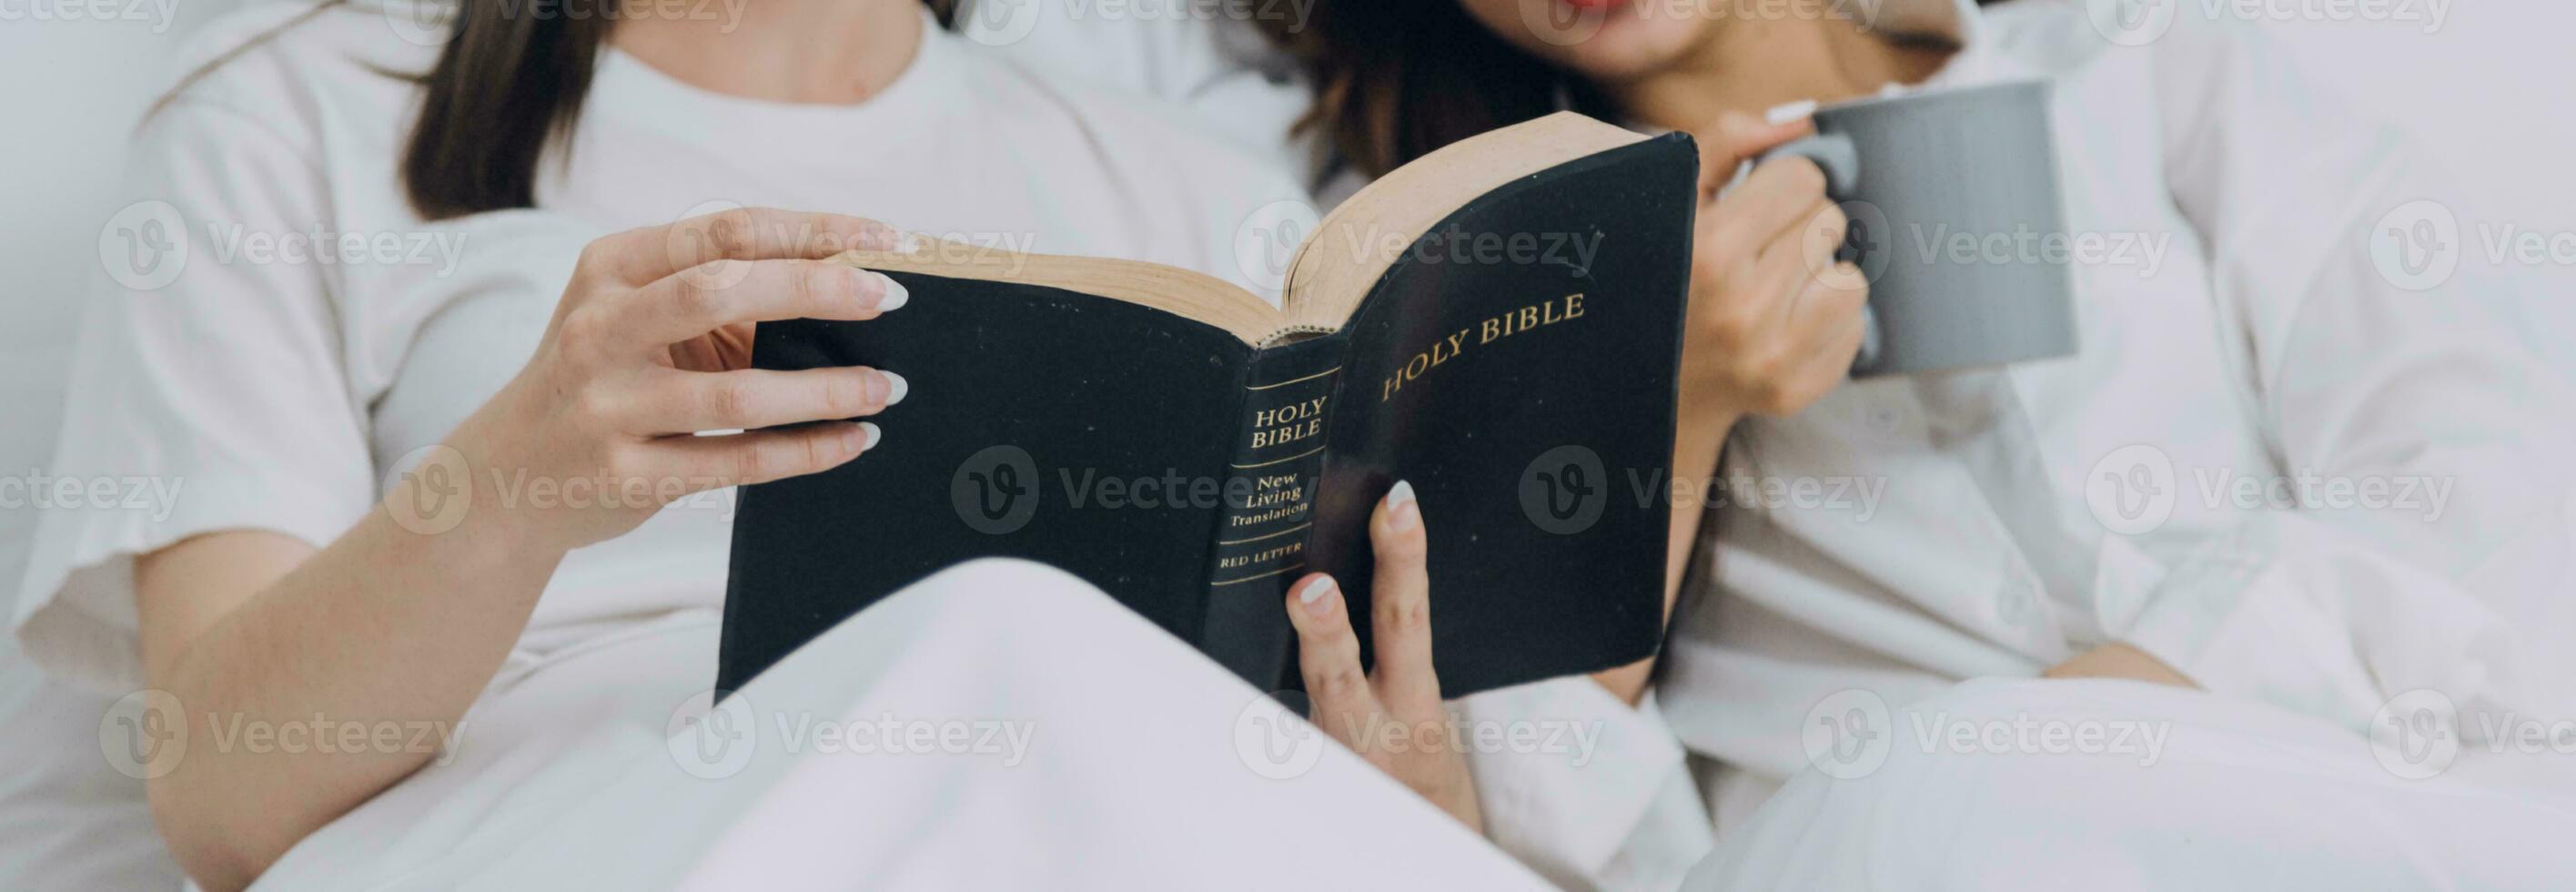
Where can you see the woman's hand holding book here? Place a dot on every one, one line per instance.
(1394, 717)
(651, 345)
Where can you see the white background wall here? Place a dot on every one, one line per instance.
(69, 92)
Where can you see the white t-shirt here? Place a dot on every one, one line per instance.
(2298, 458)
(229, 376)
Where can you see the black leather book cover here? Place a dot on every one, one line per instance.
(1517, 365)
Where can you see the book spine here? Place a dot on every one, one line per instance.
(1259, 545)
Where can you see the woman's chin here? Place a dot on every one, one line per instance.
(1621, 56)
(1606, 44)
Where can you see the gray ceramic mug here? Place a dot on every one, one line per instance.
(1952, 195)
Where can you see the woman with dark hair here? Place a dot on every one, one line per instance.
(438, 315)
(2256, 315)
(443, 363)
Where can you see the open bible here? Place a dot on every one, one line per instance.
(1497, 322)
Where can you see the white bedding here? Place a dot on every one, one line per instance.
(1099, 753)
(1127, 771)
(2231, 795)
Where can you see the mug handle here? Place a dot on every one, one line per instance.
(1840, 160)
(1833, 152)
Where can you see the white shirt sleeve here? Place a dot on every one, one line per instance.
(2379, 379)
(207, 391)
(1582, 788)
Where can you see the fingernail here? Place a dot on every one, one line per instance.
(854, 439)
(895, 293)
(873, 432)
(1399, 494)
(1401, 511)
(1789, 111)
(1313, 594)
(896, 387)
(906, 243)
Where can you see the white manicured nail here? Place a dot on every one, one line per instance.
(874, 434)
(906, 243)
(895, 294)
(896, 387)
(1399, 518)
(1314, 590)
(1790, 111)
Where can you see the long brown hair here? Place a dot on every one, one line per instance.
(1395, 79)
(508, 84)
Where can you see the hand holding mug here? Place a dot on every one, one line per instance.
(1774, 321)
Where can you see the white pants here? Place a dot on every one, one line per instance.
(1001, 725)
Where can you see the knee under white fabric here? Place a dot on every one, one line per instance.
(998, 725)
